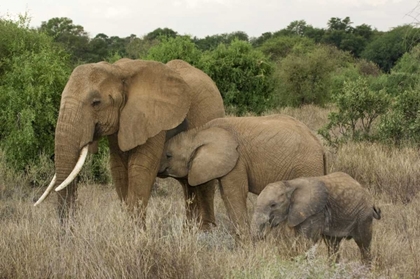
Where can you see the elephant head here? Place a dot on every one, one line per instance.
(134, 99)
(200, 154)
(293, 201)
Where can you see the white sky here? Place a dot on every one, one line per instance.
(208, 17)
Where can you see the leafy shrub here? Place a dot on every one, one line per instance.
(280, 47)
(368, 68)
(387, 48)
(30, 91)
(358, 107)
(243, 76)
(402, 124)
(180, 47)
(405, 75)
(343, 75)
(353, 71)
(97, 169)
(305, 77)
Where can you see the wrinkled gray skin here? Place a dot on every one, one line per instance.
(138, 105)
(244, 154)
(331, 207)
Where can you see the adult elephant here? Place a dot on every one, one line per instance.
(138, 105)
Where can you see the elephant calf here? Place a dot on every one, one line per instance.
(244, 154)
(333, 207)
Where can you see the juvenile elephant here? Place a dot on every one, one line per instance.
(244, 154)
(333, 207)
(138, 105)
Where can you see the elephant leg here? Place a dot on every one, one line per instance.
(119, 171)
(333, 244)
(143, 166)
(205, 197)
(234, 191)
(67, 202)
(363, 240)
(199, 203)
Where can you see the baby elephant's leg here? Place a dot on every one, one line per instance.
(312, 228)
(333, 244)
(363, 238)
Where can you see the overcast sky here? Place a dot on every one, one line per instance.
(208, 17)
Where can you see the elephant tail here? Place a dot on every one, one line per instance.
(324, 158)
(376, 212)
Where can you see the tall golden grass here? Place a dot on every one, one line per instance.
(104, 242)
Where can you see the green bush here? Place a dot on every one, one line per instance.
(305, 77)
(386, 49)
(30, 89)
(243, 76)
(358, 108)
(280, 47)
(402, 124)
(353, 71)
(180, 47)
(405, 75)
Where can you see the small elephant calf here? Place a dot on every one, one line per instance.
(333, 207)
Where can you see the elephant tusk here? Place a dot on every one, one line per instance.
(47, 191)
(76, 170)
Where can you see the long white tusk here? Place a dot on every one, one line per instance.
(47, 192)
(76, 170)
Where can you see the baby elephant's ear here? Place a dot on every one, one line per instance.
(214, 156)
(309, 198)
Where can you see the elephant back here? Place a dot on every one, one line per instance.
(274, 148)
(206, 100)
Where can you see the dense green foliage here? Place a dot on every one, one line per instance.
(180, 47)
(386, 49)
(402, 124)
(304, 76)
(358, 107)
(30, 90)
(280, 47)
(243, 76)
(211, 42)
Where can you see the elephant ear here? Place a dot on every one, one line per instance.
(157, 99)
(214, 155)
(309, 198)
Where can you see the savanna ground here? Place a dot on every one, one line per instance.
(105, 242)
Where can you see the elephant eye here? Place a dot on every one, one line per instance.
(273, 204)
(168, 155)
(95, 103)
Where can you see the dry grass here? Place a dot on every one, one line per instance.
(105, 242)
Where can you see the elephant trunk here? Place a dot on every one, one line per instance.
(73, 132)
(259, 226)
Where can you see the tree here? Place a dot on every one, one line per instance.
(139, 47)
(341, 34)
(304, 77)
(30, 89)
(405, 75)
(296, 27)
(261, 39)
(70, 36)
(338, 24)
(279, 47)
(161, 33)
(211, 42)
(243, 76)
(180, 47)
(386, 49)
(98, 48)
(358, 107)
